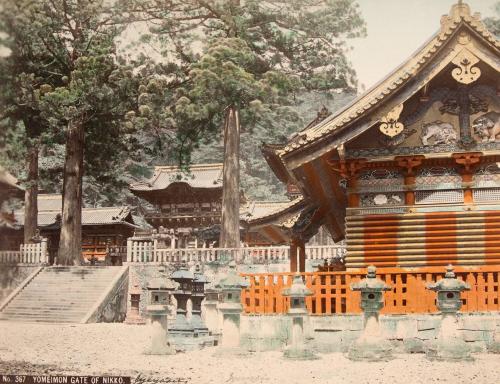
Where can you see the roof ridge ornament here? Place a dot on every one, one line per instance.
(458, 12)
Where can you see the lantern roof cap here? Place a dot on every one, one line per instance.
(233, 279)
(371, 282)
(162, 284)
(449, 283)
(297, 289)
(182, 273)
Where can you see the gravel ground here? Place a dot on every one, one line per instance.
(116, 349)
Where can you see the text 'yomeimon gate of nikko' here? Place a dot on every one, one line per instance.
(409, 172)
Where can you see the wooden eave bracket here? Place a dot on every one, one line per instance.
(409, 163)
(347, 168)
(468, 160)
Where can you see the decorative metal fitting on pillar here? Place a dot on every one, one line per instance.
(371, 345)
(449, 345)
(158, 309)
(297, 293)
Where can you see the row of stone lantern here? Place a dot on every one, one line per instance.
(449, 346)
(185, 333)
(371, 345)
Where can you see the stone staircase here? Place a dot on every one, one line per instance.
(61, 295)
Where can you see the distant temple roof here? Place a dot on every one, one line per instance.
(201, 176)
(49, 202)
(279, 221)
(257, 210)
(50, 207)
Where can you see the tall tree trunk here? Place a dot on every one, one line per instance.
(70, 242)
(230, 231)
(31, 194)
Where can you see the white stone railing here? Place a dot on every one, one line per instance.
(36, 253)
(144, 251)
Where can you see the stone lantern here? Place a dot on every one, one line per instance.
(371, 345)
(133, 313)
(158, 310)
(298, 312)
(184, 277)
(197, 297)
(231, 307)
(449, 346)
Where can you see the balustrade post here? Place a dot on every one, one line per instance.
(44, 254)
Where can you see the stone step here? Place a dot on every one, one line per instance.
(52, 306)
(85, 299)
(60, 294)
(78, 314)
(46, 320)
(51, 319)
(49, 296)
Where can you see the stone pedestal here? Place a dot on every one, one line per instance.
(297, 348)
(449, 345)
(231, 310)
(371, 345)
(159, 342)
(210, 311)
(158, 310)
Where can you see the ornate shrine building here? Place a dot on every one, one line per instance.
(183, 204)
(408, 173)
(186, 210)
(104, 229)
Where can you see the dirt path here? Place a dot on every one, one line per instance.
(116, 349)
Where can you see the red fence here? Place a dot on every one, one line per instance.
(332, 293)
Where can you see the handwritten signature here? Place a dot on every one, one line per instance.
(140, 379)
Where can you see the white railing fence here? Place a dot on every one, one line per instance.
(145, 251)
(36, 253)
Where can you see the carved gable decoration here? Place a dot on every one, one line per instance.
(466, 72)
(462, 53)
(390, 125)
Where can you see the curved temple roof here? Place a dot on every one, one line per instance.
(304, 159)
(460, 14)
(201, 176)
(50, 206)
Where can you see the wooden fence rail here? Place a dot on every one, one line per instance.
(332, 294)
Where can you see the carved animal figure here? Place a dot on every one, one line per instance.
(487, 126)
(438, 132)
